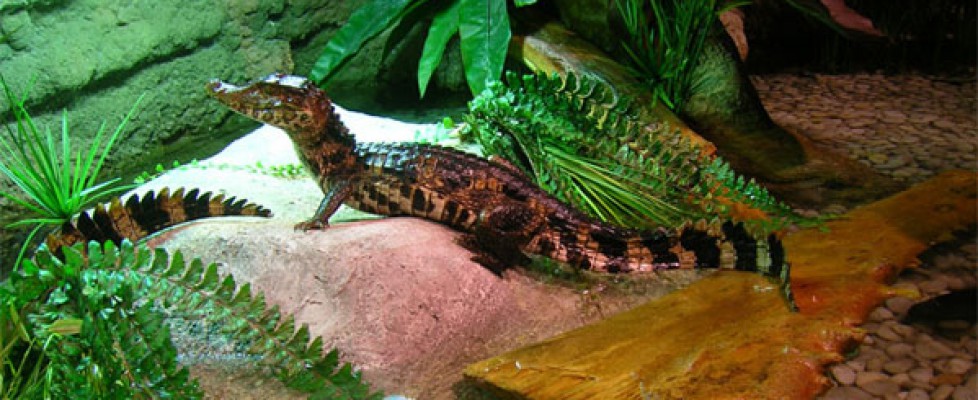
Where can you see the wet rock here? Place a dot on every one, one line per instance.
(933, 286)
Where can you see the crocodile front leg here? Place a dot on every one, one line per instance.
(338, 192)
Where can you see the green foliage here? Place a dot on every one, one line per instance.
(663, 51)
(55, 180)
(20, 369)
(578, 141)
(481, 25)
(105, 337)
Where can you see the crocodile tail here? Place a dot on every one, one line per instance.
(140, 217)
(731, 246)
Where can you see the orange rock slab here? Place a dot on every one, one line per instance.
(730, 336)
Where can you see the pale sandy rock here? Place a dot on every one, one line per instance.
(881, 388)
(964, 393)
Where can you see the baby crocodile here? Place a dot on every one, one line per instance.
(506, 214)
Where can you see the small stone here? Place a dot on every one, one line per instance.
(945, 379)
(846, 393)
(931, 349)
(959, 366)
(899, 305)
(964, 393)
(874, 364)
(864, 378)
(877, 158)
(881, 388)
(933, 286)
(921, 374)
(942, 392)
(857, 365)
(901, 379)
(899, 349)
(917, 394)
(886, 331)
(843, 374)
(898, 366)
(905, 331)
(880, 314)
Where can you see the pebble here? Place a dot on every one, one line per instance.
(958, 366)
(886, 330)
(846, 393)
(898, 366)
(964, 393)
(843, 374)
(930, 349)
(880, 314)
(918, 394)
(898, 350)
(935, 286)
(899, 305)
(921, 374)
(942, 392)
(867, 377)
(881, 388)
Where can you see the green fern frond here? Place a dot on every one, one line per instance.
(579, 140)
(105, 337)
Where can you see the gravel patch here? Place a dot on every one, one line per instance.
(909, 127)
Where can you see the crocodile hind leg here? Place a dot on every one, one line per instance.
(502, 231)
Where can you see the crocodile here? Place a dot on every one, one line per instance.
(138, 217)
(505, 214)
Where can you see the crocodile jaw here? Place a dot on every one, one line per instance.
(289, 102)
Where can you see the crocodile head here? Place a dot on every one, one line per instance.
(289, 102)
(302, 110)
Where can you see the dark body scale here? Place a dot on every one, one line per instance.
(507, 214)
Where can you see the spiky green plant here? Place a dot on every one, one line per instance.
(663, 49)
(99, 315)
(55, 180)
(576, 138)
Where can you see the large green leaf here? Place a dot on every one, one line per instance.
(366, 22)
(443, 27)
(484, 32)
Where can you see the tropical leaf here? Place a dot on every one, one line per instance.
(443, 27)
(484, 32)
(364, 24)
